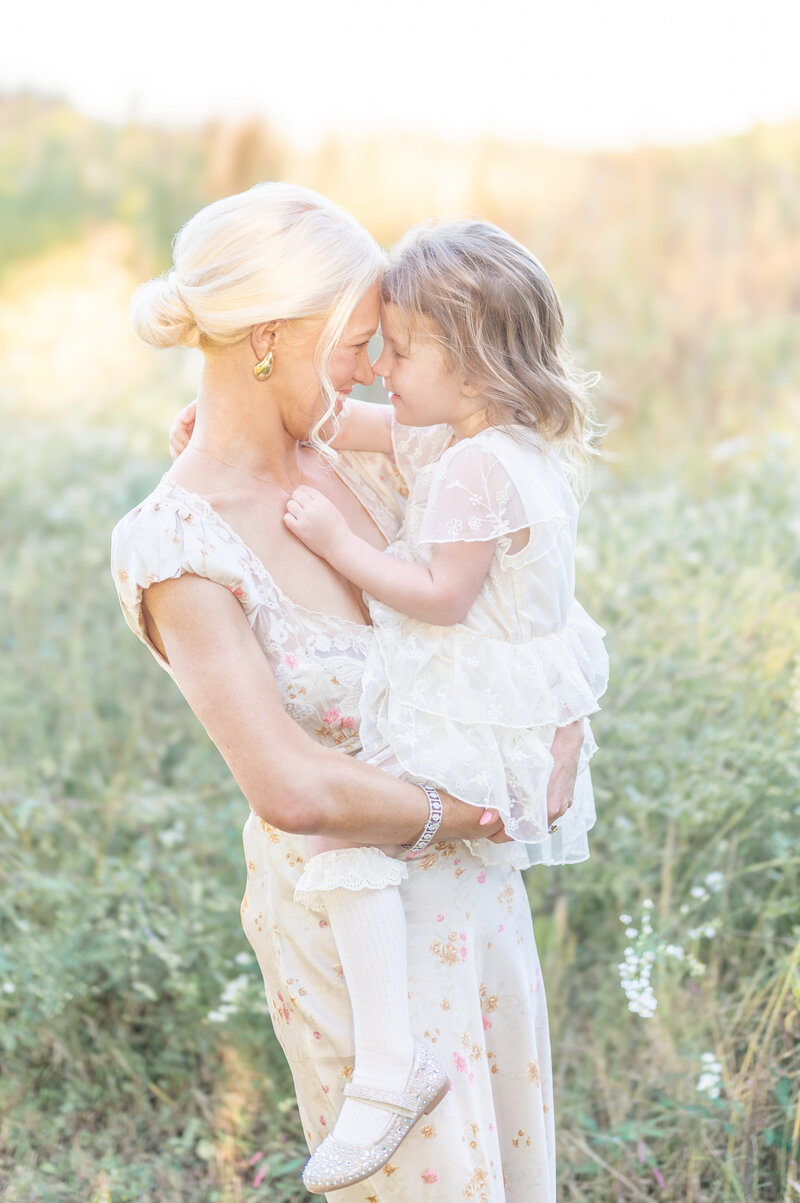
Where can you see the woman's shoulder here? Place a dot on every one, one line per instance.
(171, 532)
(158, 525)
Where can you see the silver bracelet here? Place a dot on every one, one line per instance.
(432, 825)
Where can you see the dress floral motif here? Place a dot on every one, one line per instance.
(475, 986)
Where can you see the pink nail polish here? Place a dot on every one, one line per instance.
(486, 817)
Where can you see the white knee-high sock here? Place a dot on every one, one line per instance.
(369, 927)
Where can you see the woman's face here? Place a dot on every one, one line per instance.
(303, 400)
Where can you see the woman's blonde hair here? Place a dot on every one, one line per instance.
(490, 305)
(275, 252)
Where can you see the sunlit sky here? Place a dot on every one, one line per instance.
(578, 73)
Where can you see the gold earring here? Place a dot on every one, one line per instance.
(263, 369)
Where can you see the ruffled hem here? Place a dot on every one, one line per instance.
(568, 845)
(346, 869)
(488, 766)
(467, 677)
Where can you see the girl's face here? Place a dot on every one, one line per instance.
(423, 390)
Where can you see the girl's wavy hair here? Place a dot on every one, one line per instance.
(275, 252)
(490, 305)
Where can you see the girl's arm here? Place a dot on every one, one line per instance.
(289, 780)
(440, 592)
(363, 426)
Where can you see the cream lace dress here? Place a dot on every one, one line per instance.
(475, 988)
(474, 707)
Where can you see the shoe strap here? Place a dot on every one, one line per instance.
(392, 1100)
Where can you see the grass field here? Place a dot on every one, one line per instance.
(137, 1060)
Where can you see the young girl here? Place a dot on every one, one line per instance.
(480, 652)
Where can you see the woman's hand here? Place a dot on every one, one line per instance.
(463, 821)
(565, 750)
(181, 429)
(316, 521)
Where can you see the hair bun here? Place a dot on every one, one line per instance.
(161, 316)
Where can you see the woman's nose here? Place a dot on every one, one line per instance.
(365, 373)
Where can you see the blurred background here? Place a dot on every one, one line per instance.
(650, 156)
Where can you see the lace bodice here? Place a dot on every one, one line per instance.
(489, 487)
(317, 658)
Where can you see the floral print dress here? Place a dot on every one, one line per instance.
(475, 987)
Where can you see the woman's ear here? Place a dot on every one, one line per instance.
(264, 337)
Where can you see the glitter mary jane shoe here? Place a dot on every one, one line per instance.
(334, 1164)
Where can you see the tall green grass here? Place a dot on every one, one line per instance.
(132, 1067)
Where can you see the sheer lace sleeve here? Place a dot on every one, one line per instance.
(488, 489)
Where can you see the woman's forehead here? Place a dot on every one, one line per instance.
(364, 318)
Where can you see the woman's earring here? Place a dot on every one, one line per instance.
(263, 369)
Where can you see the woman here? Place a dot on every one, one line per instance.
(278, 287)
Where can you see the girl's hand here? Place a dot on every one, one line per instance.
(316, 521)
(181, 429)
(566, 750)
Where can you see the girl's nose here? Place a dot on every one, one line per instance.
(379, 367)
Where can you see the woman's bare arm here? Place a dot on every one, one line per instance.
(565, 750)
(289, 780)
(364, 426)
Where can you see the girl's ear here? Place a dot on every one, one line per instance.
(469, 389)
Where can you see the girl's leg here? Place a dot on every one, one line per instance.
(367, 920)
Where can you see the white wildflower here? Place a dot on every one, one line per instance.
(173, 835)
(234, 988)
(710, 1081)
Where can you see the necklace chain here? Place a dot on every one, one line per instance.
(263, 479)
